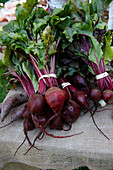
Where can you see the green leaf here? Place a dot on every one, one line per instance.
(46, 34)
(91, 70)
(69, 33)
(86, 7)
(71, 71)
(37, 25)
(29, 70)
(83, 28)
(32, 47)
(108, 49)
(3, 91)
(98, 6)
(7, 56)
(56, 11)
(101, 25)
(2, 68)
(62, 12)
(108, 55)
(95, 53)
(55, 20)
(52, 49)
(13, 26)
(23, 10)
(64, 22)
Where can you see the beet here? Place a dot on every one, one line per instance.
(107, 95)
(28, 125)
(56, 123)
(85, 89)
(39, 120)
(36, 104)
(79, 80)
(66, 95)
(26, 114)
(81, 98)
(55, 98)
(71, 112)
(95, 95)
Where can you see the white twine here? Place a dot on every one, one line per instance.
(102, 75)
(52, 75)
(47, 76)
(102, 103)
(65, 84)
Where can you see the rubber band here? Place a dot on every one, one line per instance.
(102, 75)
(43, 76)
(47, 76)
(65, 84)
(52, 75)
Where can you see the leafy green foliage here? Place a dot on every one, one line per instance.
(80, 26)
(95, 53)
(23, 11)
(87, 33)
(3, 91)
(13, 26)
(2, 68)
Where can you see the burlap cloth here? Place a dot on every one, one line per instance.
(90, 149)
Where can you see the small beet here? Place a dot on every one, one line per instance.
(79, 81)
(81, 98)
(39, 120)
(66, 95)
(95, 95)
(107, 95)
(57, 123)
(28, 125)
(71, 112)
(85, 89)
(26, 113)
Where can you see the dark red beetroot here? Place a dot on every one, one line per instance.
(81, 98)
(26, 114)
(79, 81)
(85, 89)
(95, 95)
(66, 95)
(28, 125)
(55, 98)
(39, 120)
(36, 104)
(107, 95)
(71, 112)
(57, 123)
